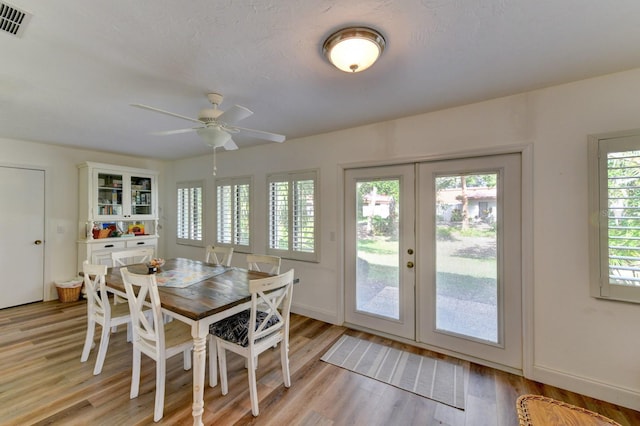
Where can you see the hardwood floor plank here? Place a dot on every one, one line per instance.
(42, 381)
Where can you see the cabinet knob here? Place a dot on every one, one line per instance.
(37, 242)
(409, 265)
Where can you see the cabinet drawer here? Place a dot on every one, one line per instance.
(108, 245)
(143, 243)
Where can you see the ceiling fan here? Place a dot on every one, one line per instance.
(216, 125)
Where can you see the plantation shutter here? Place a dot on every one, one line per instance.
(616, 219)
(189, 215)
(292, 215)
(233, 205)
(279, 213)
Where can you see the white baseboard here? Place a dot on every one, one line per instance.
(311, 312)
(628, 398)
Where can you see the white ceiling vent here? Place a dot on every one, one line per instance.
(12, 19)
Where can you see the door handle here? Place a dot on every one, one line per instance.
(37, 242)
(409, 264)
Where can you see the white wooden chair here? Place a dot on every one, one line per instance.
(100, 311)
(130, 257)
(153, 337)
(269, 315)
(264, 263)
(219, 255)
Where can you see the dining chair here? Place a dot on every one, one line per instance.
(100, 311)
(130, 257)
(152, 336)
(219, 255)
(253, 331)
(262, 263)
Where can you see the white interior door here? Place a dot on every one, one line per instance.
(22, 230)
(379, 246)
(469, 257)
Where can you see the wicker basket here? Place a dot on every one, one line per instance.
(69, 291)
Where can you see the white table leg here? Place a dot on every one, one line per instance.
(199, 334)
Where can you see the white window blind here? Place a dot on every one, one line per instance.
(615, 205)
(190, 213)
(292, 215)
(233, 217)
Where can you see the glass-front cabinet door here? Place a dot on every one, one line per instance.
(109, 202)
(141, 196)
(123, 196)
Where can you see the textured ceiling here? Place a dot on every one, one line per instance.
(69, 80)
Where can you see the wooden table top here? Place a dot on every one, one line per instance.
(226, 289)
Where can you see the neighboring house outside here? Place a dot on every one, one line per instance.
(481, 204)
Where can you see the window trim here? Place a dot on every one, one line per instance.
(232, 181)
(188, 185)
(290, 177)
(600, 287)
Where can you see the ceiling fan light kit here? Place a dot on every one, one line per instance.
(354, 49)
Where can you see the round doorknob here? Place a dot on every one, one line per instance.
(37, 242)
(409, 264)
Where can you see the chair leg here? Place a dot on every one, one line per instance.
(102, 351)
(135, 373)
(161, 372)
(253, 389)
(129, 332)
(284, 359)
(88, 341)
(186, 359)
(213, 360)
(222, 361)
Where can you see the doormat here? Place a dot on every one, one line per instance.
(431, 378)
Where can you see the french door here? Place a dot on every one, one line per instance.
(379, 242)
(433, 254)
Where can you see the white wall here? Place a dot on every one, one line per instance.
(577, 342)
(61, 198)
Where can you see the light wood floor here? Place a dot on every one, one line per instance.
(42, 381)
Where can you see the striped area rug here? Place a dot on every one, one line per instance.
(432, 378)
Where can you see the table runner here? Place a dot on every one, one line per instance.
(181, 278)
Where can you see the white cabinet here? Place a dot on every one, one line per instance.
(114, 201)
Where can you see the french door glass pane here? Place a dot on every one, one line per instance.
(466, 255)
(377, 247)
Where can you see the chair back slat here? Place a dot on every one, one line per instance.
(130, 257)
(271, 295)
(264, 263)
(219, 255)
(96, 290)
(148, 331)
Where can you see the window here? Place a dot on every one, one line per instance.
(233, 217)
(293, 229)
(190, 220)
(614, 204)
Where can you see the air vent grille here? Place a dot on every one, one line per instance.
(12, 19)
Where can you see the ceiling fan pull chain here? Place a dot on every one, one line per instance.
(214, 161)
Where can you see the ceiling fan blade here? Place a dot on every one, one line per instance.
(175, 132)
(235, 114)
(274, 137)
(230, 145)
(166, 113)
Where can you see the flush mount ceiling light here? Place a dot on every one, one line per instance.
(354, 49)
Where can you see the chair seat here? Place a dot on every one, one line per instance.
(235, 329)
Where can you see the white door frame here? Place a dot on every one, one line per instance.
(526, 151)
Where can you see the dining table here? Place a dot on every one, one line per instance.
(199, 294)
